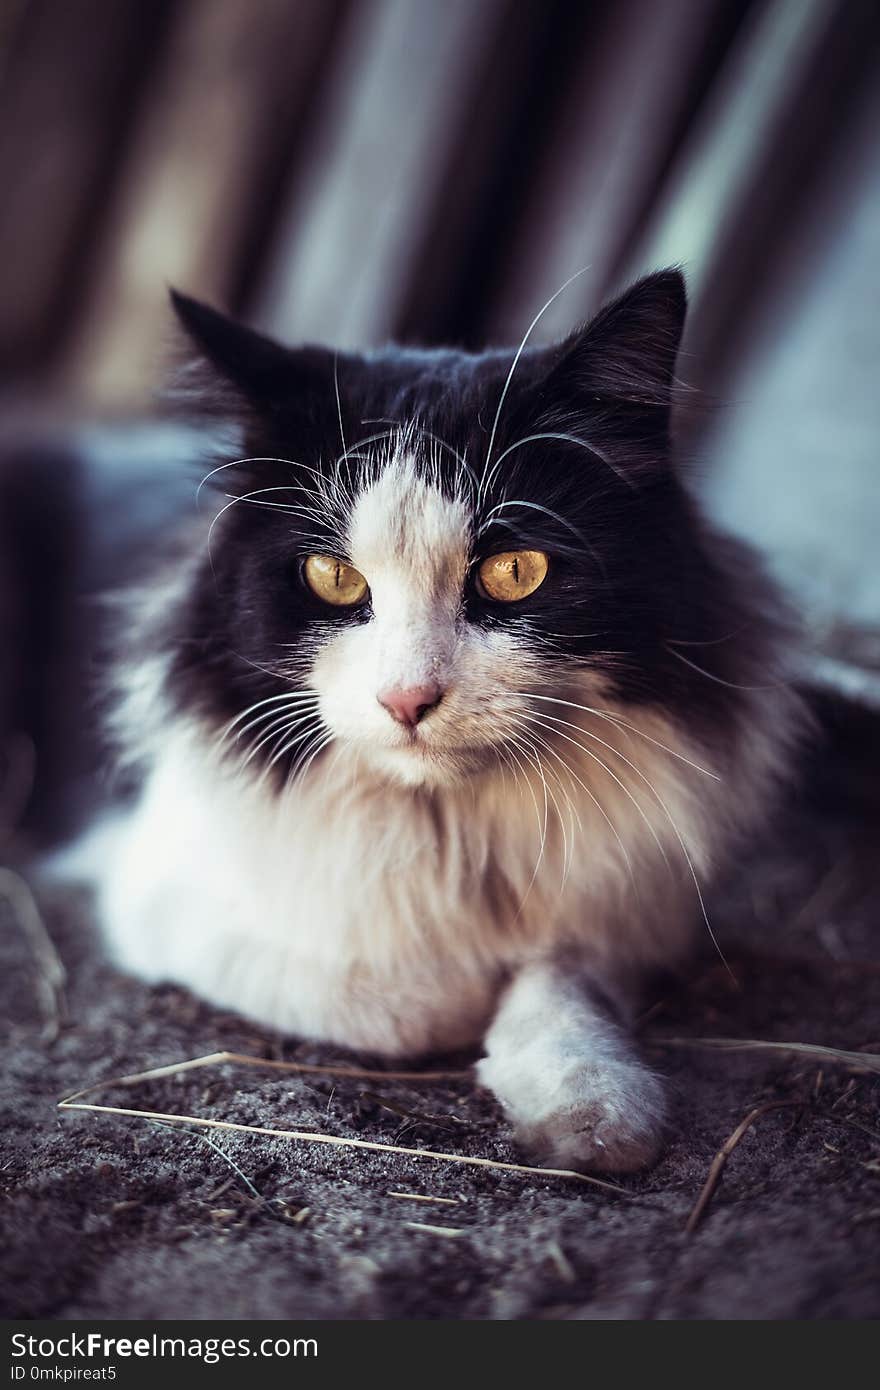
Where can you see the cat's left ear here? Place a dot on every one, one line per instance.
(619, 369)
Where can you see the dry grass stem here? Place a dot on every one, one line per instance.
(339, 1142)
(723, 1154)
(448, 1231)
(423, 1197)
(867, 1061)
(561, 1263)
(862, 1061)
(206, 1139)
(54, 972)
(244, 1059)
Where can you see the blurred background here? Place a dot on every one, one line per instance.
(351, 171)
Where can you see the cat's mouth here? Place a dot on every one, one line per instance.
(417, 759)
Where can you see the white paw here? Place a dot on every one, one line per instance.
(606, 1113)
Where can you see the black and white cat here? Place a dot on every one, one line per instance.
(449, 712)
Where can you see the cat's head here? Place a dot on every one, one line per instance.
(420, 550)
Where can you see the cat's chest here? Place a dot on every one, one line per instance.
(386, 921)
(388, 877)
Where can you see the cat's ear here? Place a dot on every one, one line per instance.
(227, 353)
(239, 371)
(619, 369)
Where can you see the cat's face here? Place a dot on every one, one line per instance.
(426, 682)
(419, 554)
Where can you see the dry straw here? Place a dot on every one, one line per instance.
(75, 1102)
(856, 1061)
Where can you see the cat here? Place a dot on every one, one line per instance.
(448, 712)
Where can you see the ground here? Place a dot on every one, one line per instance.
(103, 1216)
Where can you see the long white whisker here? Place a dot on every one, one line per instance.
(280, 711)
(618, 719)
(572, 809)
(279, 506)
(509, 766)
(536, 742)
(669, 817)
(235, 463)
(276, 721)
(599, 807)
(562, 438)
(368, 439)
(527, 748)
(324, 517)
(338, 402)
(534, 507)
(306, 759)
(519, 352)
(306, 738)
(773, 685)
(515, 748)
(554, 516)
(281, 729)
(265, 670)
(270, 700)
(595, 757)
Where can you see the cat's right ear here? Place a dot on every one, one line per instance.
(232, 365)
(239, 373)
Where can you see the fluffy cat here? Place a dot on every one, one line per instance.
(448, 713)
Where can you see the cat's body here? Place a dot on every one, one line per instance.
(445, 812)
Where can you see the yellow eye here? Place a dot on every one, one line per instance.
(334, 581)
(513, 575)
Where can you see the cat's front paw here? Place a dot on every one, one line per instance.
(605, 1115)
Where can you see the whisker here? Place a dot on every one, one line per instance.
(236, 463)
(618, 719)
(567, 845)
(669, 817)
(515, 748)
(566, 438)
(270, 700)
(279, 711)
(536, 763)
(595, 757)
(773, 685)
(306, 759)
(519, 352)
(287, 746)
(600, 808)
(459, 458)
(264, 670)
(338, 401)
(554, 516)
(279, 730)
(712, 641)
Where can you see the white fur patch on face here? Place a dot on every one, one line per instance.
(412, 544)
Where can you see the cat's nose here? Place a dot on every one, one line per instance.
(410, 705)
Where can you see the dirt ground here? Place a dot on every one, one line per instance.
(109, 1217)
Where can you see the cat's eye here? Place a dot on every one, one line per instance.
(334, 581)
(512, 575)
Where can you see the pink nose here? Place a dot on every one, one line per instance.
(411, 705)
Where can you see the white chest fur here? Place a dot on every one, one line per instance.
(355, 915)
(382, 917)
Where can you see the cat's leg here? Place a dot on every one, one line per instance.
(561, 1064)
